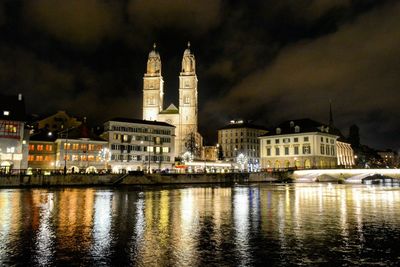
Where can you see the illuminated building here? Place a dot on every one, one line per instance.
(300, 143)
(139, 144)
(13, 135)
(80, 150)
(209, 153)
(240, 138)
(42, 151)
(184, 118)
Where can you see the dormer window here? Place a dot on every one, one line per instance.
(297, 129)
(278, 130)
(6, 113)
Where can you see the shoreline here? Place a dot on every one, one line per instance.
(118, 180)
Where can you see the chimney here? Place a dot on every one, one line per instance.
(19, 97)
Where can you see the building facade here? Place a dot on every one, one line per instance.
(42, 151)
(299, 144)
(139, 144)
(80, 150)
(239, 142)
(345, 154)
(183, 117)
(13, 135)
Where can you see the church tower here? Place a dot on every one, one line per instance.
(153, 87)
(187, 97)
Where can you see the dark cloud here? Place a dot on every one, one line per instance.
(80, 22)
(197, 16)
(356, 67)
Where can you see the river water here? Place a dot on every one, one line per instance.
(281, 225)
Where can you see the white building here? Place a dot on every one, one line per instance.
(299, 144)
(13, 135)
(139, 144)
(80, 150)
(183, 117)
(239, 142)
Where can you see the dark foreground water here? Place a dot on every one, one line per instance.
(282, 225)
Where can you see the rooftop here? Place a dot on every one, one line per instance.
(304, 126)
(138, 121)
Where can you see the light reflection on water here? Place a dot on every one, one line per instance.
(302, 224)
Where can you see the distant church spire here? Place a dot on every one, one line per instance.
(330, 114)
(188, 44)
(154, 46)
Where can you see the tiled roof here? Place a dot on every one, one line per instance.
(305, 126)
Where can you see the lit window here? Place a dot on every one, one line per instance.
(39, 158)
(31, 158)
(39, 147)
(6, 112)
(49, 148)
(31, 147)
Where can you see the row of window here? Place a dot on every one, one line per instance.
(84, 147)
(287, 140)
(140, 130)
(48, 148)
(327, 140)
(296, 140)
(129, 138)
(67, 157)
(327, 150)
(306, 150)
(130, 148)
(236, 134)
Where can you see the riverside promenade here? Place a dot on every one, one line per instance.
(40, 180)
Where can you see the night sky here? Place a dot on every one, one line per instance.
(266, 61)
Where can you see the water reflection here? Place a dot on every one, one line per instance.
(309, 224)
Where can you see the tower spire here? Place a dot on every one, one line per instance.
(188, 44)
(154, 45)
(330, 114)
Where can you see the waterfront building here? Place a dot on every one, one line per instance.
(78, 149)
(139, 144)
(42, 151)
(210, 153)
(185, 116)
(239, 143)
(303, 143)
(13, 135)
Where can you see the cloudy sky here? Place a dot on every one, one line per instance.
(265, 61)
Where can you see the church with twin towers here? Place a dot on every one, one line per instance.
(185, 116)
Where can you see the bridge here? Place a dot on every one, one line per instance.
(347, 175)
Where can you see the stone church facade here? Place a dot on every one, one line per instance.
(183, 117)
